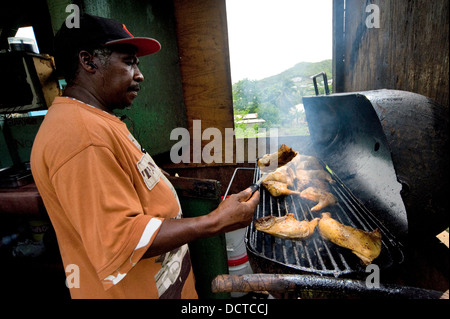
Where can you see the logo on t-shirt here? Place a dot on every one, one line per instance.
(150, 172)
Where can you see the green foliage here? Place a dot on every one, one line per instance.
(245, 96)
(270, 113)
(274, 98)
(239, 115)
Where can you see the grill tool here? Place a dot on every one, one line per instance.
(255, 186)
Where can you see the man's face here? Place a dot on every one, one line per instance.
(119, 79)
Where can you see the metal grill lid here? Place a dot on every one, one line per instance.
(348, 136)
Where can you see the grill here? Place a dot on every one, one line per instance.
(316, 255)
(388, 152)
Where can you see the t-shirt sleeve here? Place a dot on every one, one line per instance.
(98, 196)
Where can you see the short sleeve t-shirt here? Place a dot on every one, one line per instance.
(106, 199)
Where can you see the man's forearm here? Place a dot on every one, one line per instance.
(233, 213)
(177, 232)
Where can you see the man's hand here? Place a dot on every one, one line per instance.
(236, 211)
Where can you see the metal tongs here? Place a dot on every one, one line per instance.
(254, 187)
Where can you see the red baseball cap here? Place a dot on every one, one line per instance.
(94, 31)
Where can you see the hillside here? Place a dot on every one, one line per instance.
(301, 72)
(277, 99)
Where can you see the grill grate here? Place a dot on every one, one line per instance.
(316, 255)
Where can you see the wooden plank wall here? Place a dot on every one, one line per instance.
(409, 51)
(205, 67)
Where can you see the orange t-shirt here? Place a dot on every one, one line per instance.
(106, 199)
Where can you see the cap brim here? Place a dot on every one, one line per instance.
(145, 46)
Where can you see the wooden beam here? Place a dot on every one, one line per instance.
(205, 66)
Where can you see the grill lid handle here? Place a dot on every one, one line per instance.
(325, 83)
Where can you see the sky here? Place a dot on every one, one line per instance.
(267, 37)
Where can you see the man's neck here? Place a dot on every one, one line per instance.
(85, 96)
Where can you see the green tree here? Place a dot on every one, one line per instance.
(269, 113)
(245, 95)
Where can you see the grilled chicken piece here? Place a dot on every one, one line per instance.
(283, 174)
(316, 183)
(277, 189)
(309, 165)
(365, 245)
(306, 162)
(321, 197)
(272, 161)
(286, 227)
(306, 176)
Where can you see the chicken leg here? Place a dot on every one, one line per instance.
(277, 189)
(321, 197)
(365, 245)
(286, 226)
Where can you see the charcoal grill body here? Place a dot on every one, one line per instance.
(388, 150)
(391, 149)
(388, 153)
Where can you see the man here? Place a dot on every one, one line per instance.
(116, 216)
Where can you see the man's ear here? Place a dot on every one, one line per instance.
(86, 61)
